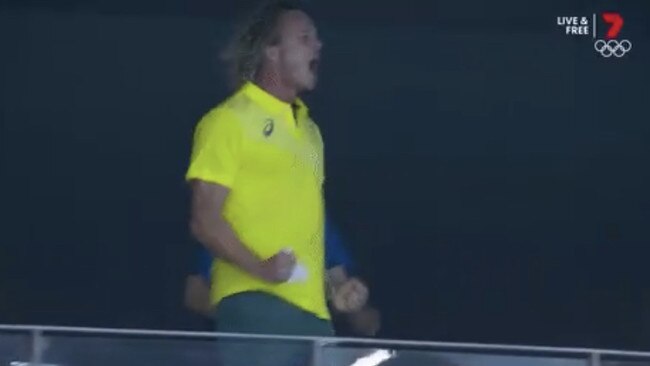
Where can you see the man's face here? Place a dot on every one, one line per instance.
(298, 51)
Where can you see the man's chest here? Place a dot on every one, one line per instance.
(273, 145)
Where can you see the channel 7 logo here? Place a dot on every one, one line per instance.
(611, 46)
(615, 21)
(608, 46)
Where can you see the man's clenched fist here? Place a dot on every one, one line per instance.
(349, 296)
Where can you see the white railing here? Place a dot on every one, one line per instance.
(593, 356)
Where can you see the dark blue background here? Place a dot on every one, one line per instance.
(490, 172)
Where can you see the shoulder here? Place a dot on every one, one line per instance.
(240, 110)
(225, 112)
(223, 119)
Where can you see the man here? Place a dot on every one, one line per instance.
(256, 175)
(363, 322)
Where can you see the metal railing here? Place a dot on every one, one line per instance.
(592, 356)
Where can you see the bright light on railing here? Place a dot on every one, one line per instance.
(376, 358)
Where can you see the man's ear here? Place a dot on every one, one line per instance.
(272, 53)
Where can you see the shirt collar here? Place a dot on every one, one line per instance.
(270, 102)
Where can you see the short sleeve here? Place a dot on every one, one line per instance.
(216, 150)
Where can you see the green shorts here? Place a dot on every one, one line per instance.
(262, 313)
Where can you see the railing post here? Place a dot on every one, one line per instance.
(317, 352)
(38, 346)
(594, 359)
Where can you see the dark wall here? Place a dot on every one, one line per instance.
(493, 183)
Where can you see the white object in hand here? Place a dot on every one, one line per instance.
(299, 272)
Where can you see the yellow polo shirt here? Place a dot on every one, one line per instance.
(273, 165)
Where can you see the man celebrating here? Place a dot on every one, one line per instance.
(256, 174)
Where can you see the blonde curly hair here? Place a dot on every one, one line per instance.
(244, 53)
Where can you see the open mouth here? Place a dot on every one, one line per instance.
(313, 65)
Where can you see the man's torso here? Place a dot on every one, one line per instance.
(276, 199)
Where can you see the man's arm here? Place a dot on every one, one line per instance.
(210, 228)
(197, 285)
(336, 276)
(197, 296)
(349, 296)
(346, 293)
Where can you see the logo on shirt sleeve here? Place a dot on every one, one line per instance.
(268, 127)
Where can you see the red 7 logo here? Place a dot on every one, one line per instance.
(616, 22)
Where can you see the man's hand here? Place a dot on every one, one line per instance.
(349, 296)
(197, 296)
(278, 268)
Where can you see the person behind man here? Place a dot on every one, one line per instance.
(363, 322)
(256, 175)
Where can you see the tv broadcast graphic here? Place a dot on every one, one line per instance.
(606, 40)
(324, 183)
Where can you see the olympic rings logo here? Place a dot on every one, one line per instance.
(612, 47)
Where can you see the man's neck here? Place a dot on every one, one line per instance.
(272, 86)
